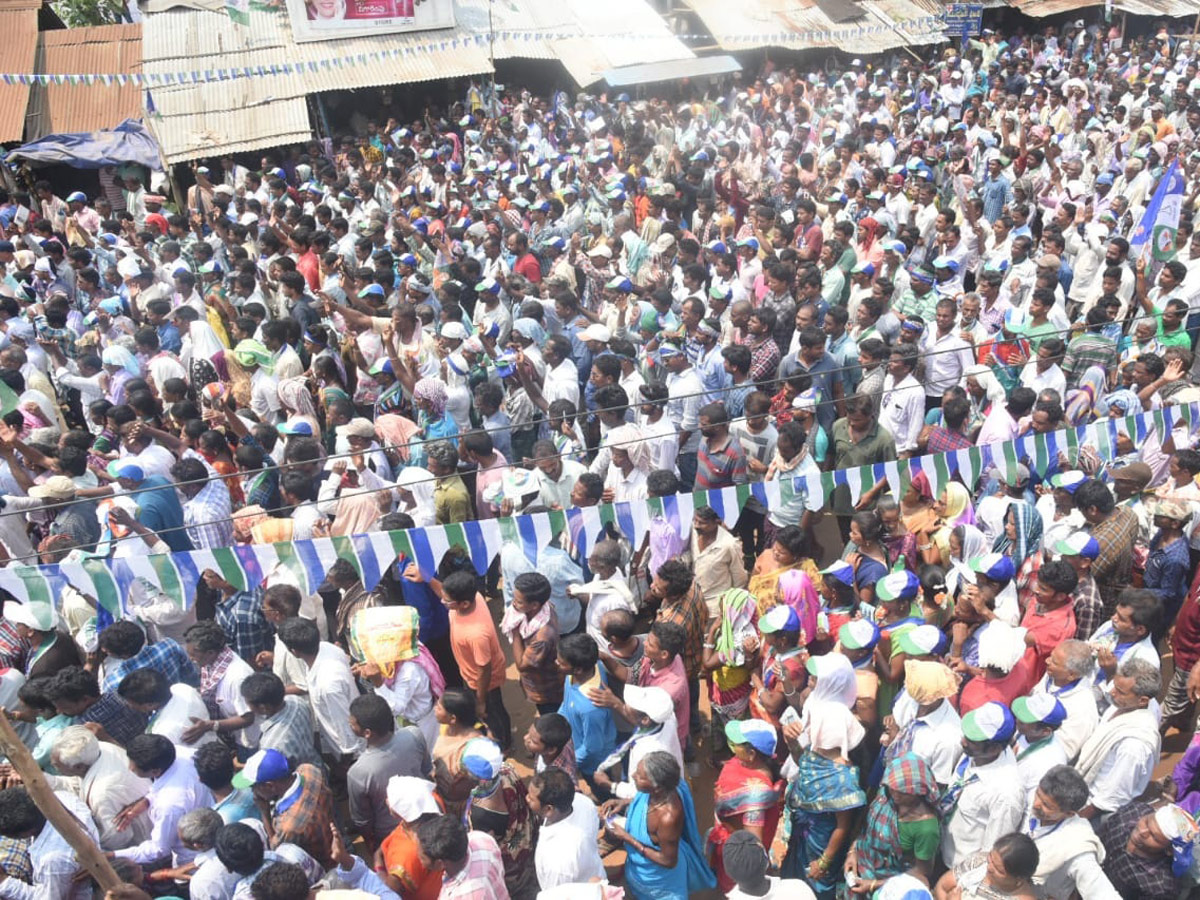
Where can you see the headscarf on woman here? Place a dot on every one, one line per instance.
(1029, 533)
(738, 613)
(797, 590)
(830, 725)
(924, 519)
(295, 395)
(836, 681)
(992, 389)
(959, 510)
(1080, 406)
(433, 392)
(871, 227)
(974, 545)
(395, 431)
(116, 355)
(253, 353)
(878, 847)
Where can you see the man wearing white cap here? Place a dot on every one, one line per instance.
(653, 713)
(50, 649)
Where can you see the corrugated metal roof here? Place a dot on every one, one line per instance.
(267, 111)
(252, 113)
(1050, 7)
(1172, 8)
(18, 53)
(786, 23)
(66, 109)
(648, 73)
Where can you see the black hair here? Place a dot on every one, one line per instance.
(534, 587)
(214, 764)
(74, 683)
(240, 849)
(553, 729)
(151, 751)
(579, 651)
(555, 789)
(263, 688)
(19, 815)
(443, 839)
(670, 636)
(300, 635)
(280, 881)
(372, 711)
(1094, 493)
(145, 686)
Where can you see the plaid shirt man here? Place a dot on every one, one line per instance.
(943, 440)
(291, 732)
(691, 614)
(764, 358)
(122, 722)
(165, 655)
(14, 650)
(482, 878)
(1113, 568)
(1089, 608)
(249, 633)
(1134, 876)
(207, 517)
(302, 816)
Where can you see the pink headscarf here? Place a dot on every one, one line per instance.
(798, 592)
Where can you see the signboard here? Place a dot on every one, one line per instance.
(963, 20)
(321, 20)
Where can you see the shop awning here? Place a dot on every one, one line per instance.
(649, 73)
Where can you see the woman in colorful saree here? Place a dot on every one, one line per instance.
(747, 791)
(663, 858)
(821, 798)
(785, 554)
(902, 833)
(730, 650)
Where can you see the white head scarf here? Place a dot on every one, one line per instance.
(836, 682)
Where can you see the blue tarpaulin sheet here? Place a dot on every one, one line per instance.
(129, 142)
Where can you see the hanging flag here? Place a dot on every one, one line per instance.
(239, 11)
(1161, 219)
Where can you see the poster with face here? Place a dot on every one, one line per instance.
(316, 20)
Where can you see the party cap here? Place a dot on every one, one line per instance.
(990, 722)
(1039, 709)
(858, 634)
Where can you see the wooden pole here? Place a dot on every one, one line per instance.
(90, 857)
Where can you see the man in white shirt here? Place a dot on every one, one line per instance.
(176, 790)
(331, 687)
(926, 723)
(947, 355)
(566, 846)
(985, 799)
(53, 859)
(1043, 372)
(100, 774)
(684, 390)
(902, 411)
(1039, 716)
(556, 476)
(1069, 679)
(1118, 758)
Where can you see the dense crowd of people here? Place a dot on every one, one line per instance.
(520, 304)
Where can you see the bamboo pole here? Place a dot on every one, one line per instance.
(90, 857)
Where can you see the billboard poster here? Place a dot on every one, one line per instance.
(320, 20)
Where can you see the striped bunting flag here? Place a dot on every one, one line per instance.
(176, 575)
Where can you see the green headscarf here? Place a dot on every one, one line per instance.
(738, 611)
(253, 353)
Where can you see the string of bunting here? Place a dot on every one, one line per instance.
(930, 25)
(110, 581)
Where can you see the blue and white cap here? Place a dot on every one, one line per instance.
(1078, 544)
(990, 722)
